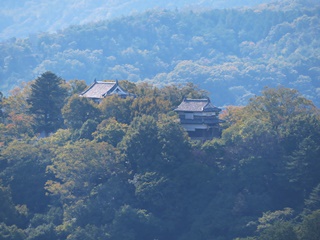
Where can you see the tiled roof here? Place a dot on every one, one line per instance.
(98, 89)
(196, 105)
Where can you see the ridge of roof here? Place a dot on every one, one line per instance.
(196, 99)
(105, 82)
(98, 92)
(197, 105)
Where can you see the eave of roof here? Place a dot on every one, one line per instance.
(98, 89)
(197, 105)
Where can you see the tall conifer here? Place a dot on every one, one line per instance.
(46, 100)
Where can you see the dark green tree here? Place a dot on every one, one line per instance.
(76, 86)
(150, 106)
(309, 229)
(46, 101)
(280, 230)
(24, 172)
(11, 232)
(8, 213)
(87, 129)
(117, 107)
(110, 131)
(313, 202)
(173, 139)
(78, 110)
(140, 145)
(130, 223)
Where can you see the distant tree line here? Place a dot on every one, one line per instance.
(126, 169)
(233, 53)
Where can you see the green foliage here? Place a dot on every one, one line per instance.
(151, 106)
(8, 213)
(89, 232)
(130, 223)
(110, 131)
(313, 201)
(277, 127)
(78, 110)
(140, 145)
(76, 86)
(12, 27)
(175, 148)
(46, 100)
(80, 166)
(309, 228)
(18, 122)
(11, 232)
(270, 218)
(87, 129)
(118, 108)
(280, 105)
(150, 188)
(45, 231)
(232, 53)
(279, 231)
(137, 174)
(24, 167)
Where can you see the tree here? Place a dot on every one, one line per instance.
(11, 232)
(19, 122)
(130, 223)
(280, 230)
(313, 202)
(117, 107)
(87, 182)
(47, 99)
(76, 86)
(25, 172)
(78, 110)
(173, 139)
(110, 131)
(302, 145)
(279, 105)
(309, 228)
(151, 106)
(141, 145)
(79, 167)
(274, 140)
(87, 129)
(8, 212)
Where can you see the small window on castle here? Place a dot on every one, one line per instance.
(189, 115)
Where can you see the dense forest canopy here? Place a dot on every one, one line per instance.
(126, 169)
(232, 53)
(20, 18)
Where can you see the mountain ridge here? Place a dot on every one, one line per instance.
(21, 18)
(232, 53)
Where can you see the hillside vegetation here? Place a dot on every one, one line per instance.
(232, 53)
(21, 18)
(126, 170)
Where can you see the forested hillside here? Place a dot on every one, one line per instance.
(232, 53)
(125, 169)
(20, 18)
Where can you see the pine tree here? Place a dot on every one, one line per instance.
(47, 99)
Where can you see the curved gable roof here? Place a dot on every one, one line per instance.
(100, 89)
(197, 105)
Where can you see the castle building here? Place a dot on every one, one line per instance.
(200, 118)
(101, 89)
